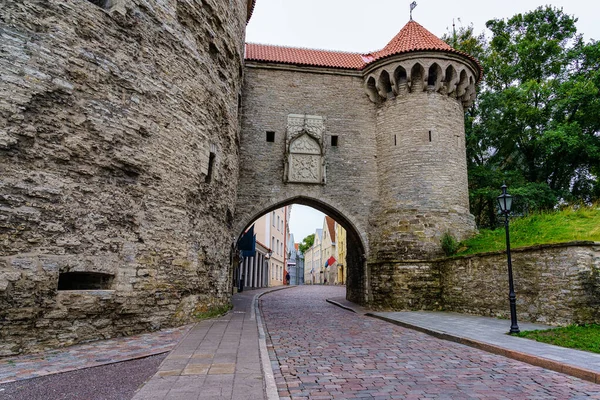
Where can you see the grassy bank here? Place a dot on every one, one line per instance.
(584, 337)
(562, 226)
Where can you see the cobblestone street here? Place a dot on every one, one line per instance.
(320, 351)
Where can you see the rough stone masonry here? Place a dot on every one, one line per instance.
(118, 156)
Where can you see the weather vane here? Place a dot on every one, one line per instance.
(412, 7)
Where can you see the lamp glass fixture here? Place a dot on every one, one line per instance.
(505, 201)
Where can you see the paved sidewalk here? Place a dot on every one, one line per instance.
(489, 334)
(222, 358)
(89, 355)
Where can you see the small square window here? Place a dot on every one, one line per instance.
(270, 136)
(334, 140)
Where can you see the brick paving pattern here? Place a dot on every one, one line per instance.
(320, 351)
(218, 359)
(93, 354)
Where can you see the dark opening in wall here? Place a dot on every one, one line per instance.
(430, 136)
(84, 281)
(211, 166)
(101, 3)
(334, 140)
(395, 142)
(270, 136)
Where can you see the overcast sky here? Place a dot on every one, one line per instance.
(366, 25)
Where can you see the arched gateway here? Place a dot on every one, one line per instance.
(376, 140)
(357, 276)
(137, 141)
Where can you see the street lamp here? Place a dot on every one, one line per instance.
(267, 257)
(505, 202)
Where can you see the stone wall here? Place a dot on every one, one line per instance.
(554, 284)
(108, 119)
(271, 94)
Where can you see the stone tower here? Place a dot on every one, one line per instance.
(118, 143)
(419, 87)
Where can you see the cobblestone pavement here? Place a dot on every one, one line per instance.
(91, 354)
(320, 351)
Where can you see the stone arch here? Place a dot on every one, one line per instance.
(462, 84)
(401, 79)
(470, 93)
(450, 79)
(357, 246)
(417, 76)
(434, 77)
(371, 88)
(385, 85)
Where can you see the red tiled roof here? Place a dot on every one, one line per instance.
(299, 56)
(251, 4)
(412, 37)
(330, 227)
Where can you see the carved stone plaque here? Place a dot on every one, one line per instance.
(305, 168)
(304, 152)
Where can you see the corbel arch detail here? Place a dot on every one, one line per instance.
(446, 76)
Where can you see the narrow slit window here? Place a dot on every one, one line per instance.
(430, 136)
(395, 141)
(211, 167)
(84, 281)
(270, 136)
(334, 140)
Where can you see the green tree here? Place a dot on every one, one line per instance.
(306, 243)
(535, 122)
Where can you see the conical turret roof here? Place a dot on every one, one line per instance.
(413, 37)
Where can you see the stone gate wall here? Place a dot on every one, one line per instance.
(118, 144)
(554, 284)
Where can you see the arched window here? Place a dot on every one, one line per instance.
(385, 84)
(416, 77)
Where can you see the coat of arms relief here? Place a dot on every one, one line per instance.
(305, 154)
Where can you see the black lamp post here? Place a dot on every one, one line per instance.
(505, 202)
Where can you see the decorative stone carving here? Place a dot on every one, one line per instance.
(305, 158)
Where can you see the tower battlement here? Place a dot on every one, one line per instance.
(447, 74)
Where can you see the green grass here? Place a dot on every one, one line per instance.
(581, 337)
(214, 312)
(562, 226)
